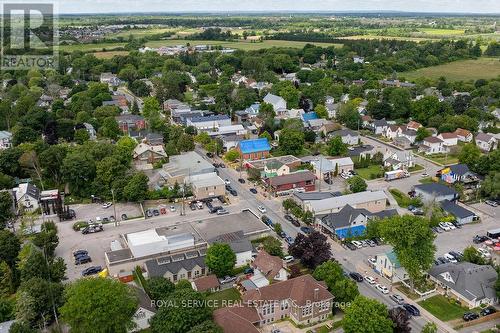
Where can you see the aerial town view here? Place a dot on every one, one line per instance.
(196, 166)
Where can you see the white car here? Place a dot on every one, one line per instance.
(107, 204)
(484, 252)
(369, 279)
(227, 182)
(262, 209)
(372, 261)
(449, 224)
(424, 175)
(357, 244)
(344, 175)
(172, 208)
(383, 289)
(444, 226)
(289, 259)
(450, 258)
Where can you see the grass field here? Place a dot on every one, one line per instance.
(440, 307)
(412, 39)
(224, 298)
(462, 70)
(442, 32)
(369, 172)
(242, 45)
(109, 54)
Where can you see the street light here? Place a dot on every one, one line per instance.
(114, 207)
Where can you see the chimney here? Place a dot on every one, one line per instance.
(316, 294)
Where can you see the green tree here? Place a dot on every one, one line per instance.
(9, 247)
(137, 188)
(469, 154)
(47, 238)
(321, 111)
(6, 212)
(277, 228)
(99, 305)
(81, 136)
(429, 328)
(220, 259)
(291, 141)
(6, 309)
(110, 128)
(232, 155)
(272, 246)
(176, 318)
(159, 288)
(357, 184)
(345, 290)
(422, 133)
(207, 326)
(349, 115)
(413, 242)
(21, 327)
(336, 147)
(491, 185)
(6, 280)
(368, 316)
(474, 256)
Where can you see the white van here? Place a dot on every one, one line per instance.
(289, 259)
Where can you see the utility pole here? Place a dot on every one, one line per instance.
(320, 172)
(114, 207)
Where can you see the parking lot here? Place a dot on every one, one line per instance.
(85, 212)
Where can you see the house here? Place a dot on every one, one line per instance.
(209, 123)
(358, 59)
(379, 126)
(206, 283)
(435, 192)
(226, 130)
(316, 125)
(463, 135)
(302, 181)
(449, 139)
(366, 121)
(486, 142)
(145, 311)
(393, 131)
(331, 107)
(238, 318)
(413, 125)
(328, 128)
(275, 168)
(110, 79)
(271, 267)
(348, 137)
(432, 145)
(410, 135)
(206, 185)
(325, 168)
(372, 201)
(145, 154)
(470, 284)
(461, 214)
(403, 141)
(457, 173)
(5, 140)
(128, 122)
(27, 197)
(277, 102)
(399, 160)
(348, 222)
(182, 266)
(119, 101)
(231, 141)
(389, 266)
(254, 149)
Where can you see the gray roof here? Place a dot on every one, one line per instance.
(273, 99)
(435, 188)
(473, 282)
(346, 132)
(385, 213)
(456, 210)
(459, 169)
(307, 196)
(210, 118)
(241, 245)
(156, 267)
(483, 137)
(379, 122)
(344, 217)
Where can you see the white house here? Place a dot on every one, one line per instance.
(399, 159)
(331, 107)
(145, 311)
(358, 59)
(463, 135)
(393, 131)
(27, 196)
(432, 145)
(348, 137)
(388, 266)
(277, 102)
(270, 267)
(276, 168)
(379, 126)
(486, 142)
(5, 140)
(449, 139)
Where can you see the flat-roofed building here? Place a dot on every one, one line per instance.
(181, 166)
(372, 201)
(206, 185)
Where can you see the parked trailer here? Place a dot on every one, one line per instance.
(398, 174)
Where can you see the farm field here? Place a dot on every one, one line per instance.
(412, 39)
(90, 47)
(462, 70)
(445, 32)
(109, 54)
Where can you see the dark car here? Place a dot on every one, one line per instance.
(289, 240)
(156, 212)
(468, 316)
(296, 223)
(192, 206)
(356, 276)
(456, 224)
(149, 213)
(306, 230)
(487, 311)
(210, 155)
(351, 246)
(92, 229)
(248, 270)
(282, 234)
(82, 260)
(411, 309)
(233, 193)
(288, 218)
(254, 191)
(91, 270)
(479, 239)
(442, 260)
(124, 217)
(215, 209)
(78, 253)
(241, 180)
(456, 255)
(229, 188)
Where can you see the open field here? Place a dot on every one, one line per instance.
(109, 54)
(442, 32)
(482, 68)
(440, 307)
(411, 39)
(90, 47)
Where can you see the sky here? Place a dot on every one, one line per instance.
(128, 6)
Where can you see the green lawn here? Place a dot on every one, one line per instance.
(416, 167)
(372, 172)
(462, 70)
(404, 200)
(440, 307)
(443, 159)
(426, 180)
(224, 298)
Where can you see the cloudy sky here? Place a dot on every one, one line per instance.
(116, 6)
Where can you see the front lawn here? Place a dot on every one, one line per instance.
(416, 167)
(371, 172)
(443, 309)
(404, 200)
(426, 180)
(444, 159)
(224, 298)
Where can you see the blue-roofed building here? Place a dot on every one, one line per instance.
(254, 149)
(388, 265)
(309, 116)
(346, 223)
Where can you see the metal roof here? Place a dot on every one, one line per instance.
(254, 145)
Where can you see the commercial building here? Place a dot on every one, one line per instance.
(206, 185)
(372, 201)
(185, 165)
(300, 181)
(254, 149)
(435, 192)
(461, 214)
(211, 123)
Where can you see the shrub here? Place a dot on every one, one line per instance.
(77, 226)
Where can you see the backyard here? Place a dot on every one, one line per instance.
(371, 172)
(443, 309)
(223, 298)
(404, 200)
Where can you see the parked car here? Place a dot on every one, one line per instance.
(215, 209)
(418, 211)
(288, 217)
(241, 180)
(371, 243)
(357, 244)
(262, 209)
(227, 181)
(253, 190)
(397, 298)
(484, 252)
(289, 240)
(306, 230)
(78, 253)
(91, 270)
(468, 316)
(442, 260)
(444, 226)
(233, 193)
(156, 212)
(82, 260)
(450, 225)
(92, 229)
(450, 258)
(383, 289)
(372, 261)
(173, 209)
(456, 255)
(369, 279)
(491, 203)
(487, 311)
(456, 224)
(248, 270)
(107, 204)
(192, 206)
(479, 239)
(222, 211)
(288, 259)
(227, 279)
(411, 309)
(296, 223)
(351, 246)
(356, 276)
